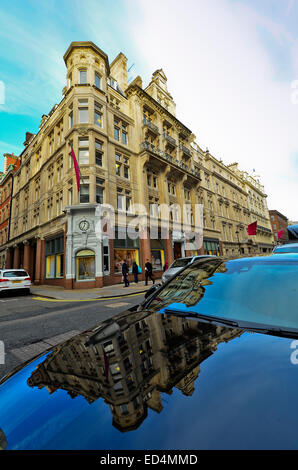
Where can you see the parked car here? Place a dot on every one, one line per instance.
(14, 279)
(286, 248)
(210, 361)
(180, 263)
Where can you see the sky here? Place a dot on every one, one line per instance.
(232, 69)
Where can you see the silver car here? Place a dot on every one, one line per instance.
(180, 263)
(14, 279)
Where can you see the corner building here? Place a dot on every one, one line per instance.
(131, 149)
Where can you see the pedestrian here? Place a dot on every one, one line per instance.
(125, 271)
(148, 272)
(135, 271)
(166, 266)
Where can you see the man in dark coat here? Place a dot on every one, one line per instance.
(148, 272)
(125, 271)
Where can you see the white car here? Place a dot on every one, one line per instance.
(180, 263)
(14, 279)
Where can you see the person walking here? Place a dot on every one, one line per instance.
(135, 271)
(125, 271)
(166, 266)
(148, 272)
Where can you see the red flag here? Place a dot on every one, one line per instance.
(76, 167)
(252, 228)
(280, 233)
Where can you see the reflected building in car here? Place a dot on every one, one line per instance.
(130, 363)
(3, 440)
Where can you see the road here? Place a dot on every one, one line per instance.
(29, 326)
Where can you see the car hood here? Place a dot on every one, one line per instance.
(147, 380)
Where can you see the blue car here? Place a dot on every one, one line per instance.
(286, 248)
(209, 361)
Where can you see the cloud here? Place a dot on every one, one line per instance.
(223, 79)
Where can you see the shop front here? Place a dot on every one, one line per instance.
(211, 246)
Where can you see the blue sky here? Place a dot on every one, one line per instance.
(231, 66)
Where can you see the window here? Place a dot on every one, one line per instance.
(59, 203)
(85, 265)
(50, 208)
(50, 177)
(122, 165)
(84, 194)
(83, 112)
(60, 169)
(98, 114)
(83, 77)
(106, 255)
(99, 191)
(84, 151)
(97, 80)
(123, 200)
(116, 130)
(120, 131)
(98, 153)
(124, 134)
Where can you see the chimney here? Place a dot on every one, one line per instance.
(28, 138)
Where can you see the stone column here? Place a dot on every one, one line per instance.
(38, 262)
(27, 252)
(16, 257)
(8, 259)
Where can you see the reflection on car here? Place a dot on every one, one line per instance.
(180, 263)
(210, 350)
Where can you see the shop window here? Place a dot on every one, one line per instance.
(85, 263)
(55, 258)
(125, 248)
(157, 254)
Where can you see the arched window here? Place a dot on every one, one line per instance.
(85, 263)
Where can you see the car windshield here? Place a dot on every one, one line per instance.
(286, 249)
(180, 263)
(259, 290)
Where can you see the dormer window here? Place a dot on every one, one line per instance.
(83, 77)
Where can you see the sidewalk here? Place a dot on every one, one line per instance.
(118, 290)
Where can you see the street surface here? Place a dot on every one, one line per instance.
(29, 326)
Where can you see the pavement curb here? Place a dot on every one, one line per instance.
(108, 297)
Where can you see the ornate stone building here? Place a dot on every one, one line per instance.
(132, 151)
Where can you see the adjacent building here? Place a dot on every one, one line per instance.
(11, 165)
(136, 157)
(279, 223)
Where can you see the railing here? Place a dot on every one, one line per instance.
(169, 138)
(185, 150)
(151, 125)
(166, 156)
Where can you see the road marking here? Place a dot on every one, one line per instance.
(116, 305)
(28, 352)
(46, 299)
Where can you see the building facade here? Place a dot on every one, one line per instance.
(11, 165)
(135, 157)
(279, 222)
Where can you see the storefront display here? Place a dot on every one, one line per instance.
(85, 262)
